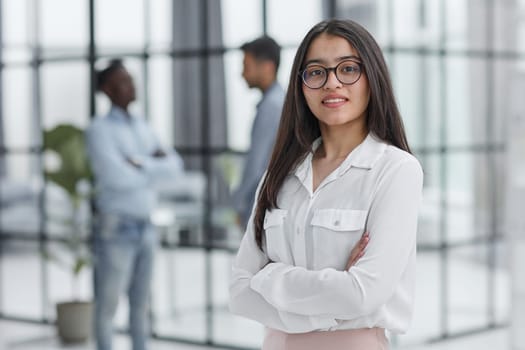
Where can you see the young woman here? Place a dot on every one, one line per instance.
(341, 166)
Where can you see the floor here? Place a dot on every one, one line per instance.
(25, 336)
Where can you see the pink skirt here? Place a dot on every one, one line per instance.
(352, 339)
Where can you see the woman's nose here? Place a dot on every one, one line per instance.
(331, 80)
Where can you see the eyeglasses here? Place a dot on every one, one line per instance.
(347, 72)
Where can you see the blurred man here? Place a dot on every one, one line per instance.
(260, 66)
(126, 159)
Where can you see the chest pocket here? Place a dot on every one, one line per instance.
(276, 242)
(335, 232)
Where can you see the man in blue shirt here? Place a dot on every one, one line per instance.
(126, 159)
(260, 66)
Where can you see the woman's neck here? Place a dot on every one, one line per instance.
(338, 143)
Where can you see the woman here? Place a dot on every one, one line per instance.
(341, 166)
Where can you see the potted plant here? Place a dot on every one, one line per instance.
(64, 146)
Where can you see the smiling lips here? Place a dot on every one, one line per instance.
(334, 101)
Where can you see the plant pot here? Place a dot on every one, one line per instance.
(74, 321)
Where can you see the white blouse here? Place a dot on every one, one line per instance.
(377, 189)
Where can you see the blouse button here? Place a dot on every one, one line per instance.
(336, 223)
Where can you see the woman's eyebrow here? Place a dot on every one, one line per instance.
(338, 59)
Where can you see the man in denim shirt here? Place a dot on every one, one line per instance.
(126, 159)
(260, 65)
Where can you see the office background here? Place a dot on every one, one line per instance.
(452, 64)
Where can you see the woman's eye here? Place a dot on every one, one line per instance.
(315, 72)
(351, 68)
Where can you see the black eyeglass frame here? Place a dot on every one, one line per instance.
(332, 69)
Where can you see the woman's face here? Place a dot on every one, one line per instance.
(336, 104)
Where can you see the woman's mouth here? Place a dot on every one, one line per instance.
(334, 101)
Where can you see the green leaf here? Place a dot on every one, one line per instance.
(68, 143)
(80, 263)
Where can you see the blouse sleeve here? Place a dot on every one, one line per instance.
(245, 301)
(366, 286)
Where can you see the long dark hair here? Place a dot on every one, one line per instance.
(299, 127)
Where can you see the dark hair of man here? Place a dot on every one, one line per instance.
(264, 49)
(103, 76)
(299, 127)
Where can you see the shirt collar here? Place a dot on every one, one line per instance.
(303, 169)
(118, 113)
(274, 87)
(364, 156)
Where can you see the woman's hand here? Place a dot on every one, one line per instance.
(358, 251)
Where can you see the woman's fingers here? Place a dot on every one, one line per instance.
(358, 251)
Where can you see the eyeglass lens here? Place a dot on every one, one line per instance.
(347, 72)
